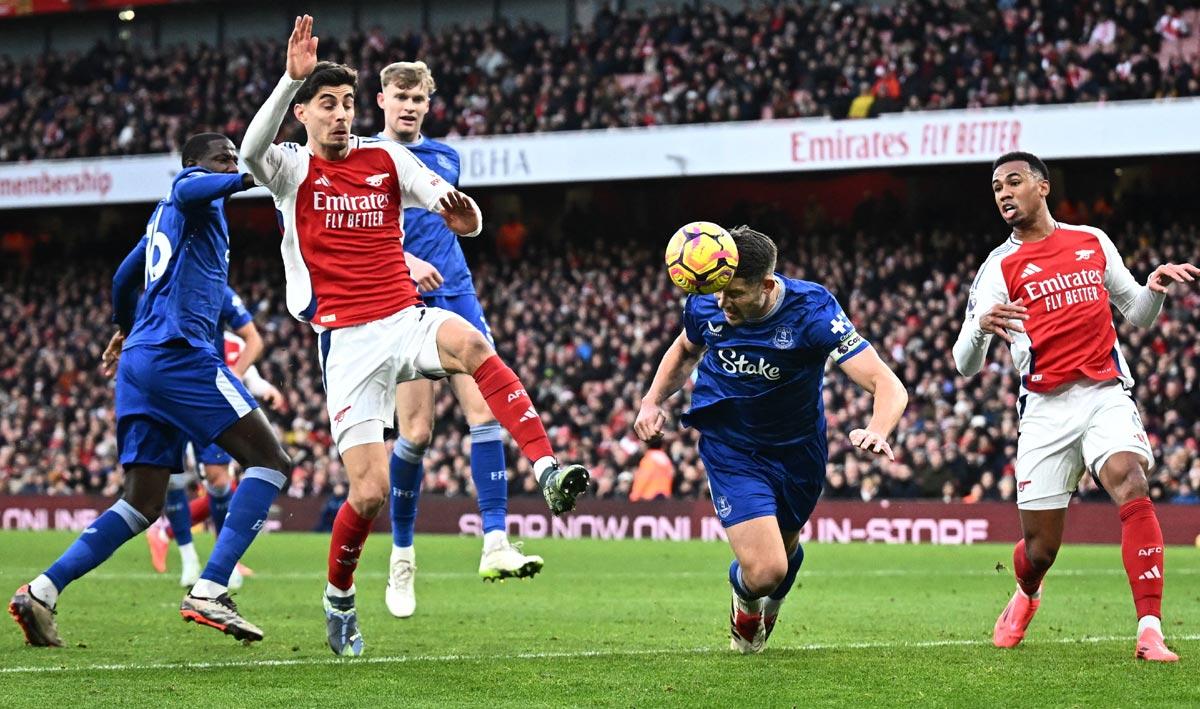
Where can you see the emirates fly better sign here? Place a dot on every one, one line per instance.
(921, 138)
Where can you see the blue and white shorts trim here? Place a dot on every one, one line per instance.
(167, 395)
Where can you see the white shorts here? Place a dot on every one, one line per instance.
(1073, 429)
(362, 364)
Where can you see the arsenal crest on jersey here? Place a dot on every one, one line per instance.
(783, 338)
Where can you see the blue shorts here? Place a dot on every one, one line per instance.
(779, 482)
(212, 455)
(466, 306)
(170, 394)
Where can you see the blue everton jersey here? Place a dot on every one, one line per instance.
(759, 383)
(186, 262)
(426, 236)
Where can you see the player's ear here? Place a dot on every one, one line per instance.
(298, 111)
(1044, 187)
(379, 99)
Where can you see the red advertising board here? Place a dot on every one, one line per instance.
(910, 522)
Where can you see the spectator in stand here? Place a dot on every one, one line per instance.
(671, 65)
(588, 319)
(654, 475)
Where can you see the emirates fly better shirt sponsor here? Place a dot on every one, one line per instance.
(342, 221)
(1066, 281)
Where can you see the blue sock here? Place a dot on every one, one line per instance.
(739, 586)
(785, 585)
(406, 472)
(218, 506)
(247, 514)
(490, 475)
(179, 515)
(117, 525)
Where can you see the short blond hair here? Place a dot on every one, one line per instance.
(407, 75)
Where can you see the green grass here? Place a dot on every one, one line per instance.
(629, 623)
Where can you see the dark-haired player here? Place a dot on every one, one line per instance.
(173, 387)
(1046, 291)
(341, 201)
(761, 346)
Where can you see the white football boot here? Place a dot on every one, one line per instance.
(401, 598)
(505, 560)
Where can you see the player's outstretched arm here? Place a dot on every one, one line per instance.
(868, 371)
(420, 185)
(677, 364)
(201, 188)
(266, 160)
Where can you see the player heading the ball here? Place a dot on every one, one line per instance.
(760, 346)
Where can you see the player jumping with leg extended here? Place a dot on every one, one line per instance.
(172, 386)
(761, 345)
(1046, 292)
(340, 198)
(440, 270)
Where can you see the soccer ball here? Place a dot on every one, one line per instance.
(701, 258)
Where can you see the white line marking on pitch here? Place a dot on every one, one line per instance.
(581, 654)
(317, 574)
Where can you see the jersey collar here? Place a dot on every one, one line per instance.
(420, 139)
(778, 301)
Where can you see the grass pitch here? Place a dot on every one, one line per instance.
(624, 623)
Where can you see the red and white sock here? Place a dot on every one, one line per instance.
(350, 532)
(1142, 552)
(512, 407)
(1029, 580)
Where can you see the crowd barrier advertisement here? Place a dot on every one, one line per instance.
(1125, 128)
(882, 522)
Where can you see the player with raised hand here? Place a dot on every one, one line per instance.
(443, 278)
(761, 345)
(341, 200)
(173, 387)
(1047, 291)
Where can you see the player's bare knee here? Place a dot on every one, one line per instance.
(1041, 556)
(764, 577)
(148, 506)
(419, 434)
(475, 350)
(368, 497)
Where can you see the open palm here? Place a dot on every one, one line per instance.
(459, 214)
(302, 49)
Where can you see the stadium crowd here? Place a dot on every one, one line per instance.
(631, 68)
(585, 324)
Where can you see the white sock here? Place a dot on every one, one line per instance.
(44, 590)
(541, 465)
(187, 553)
(749, 607)
(408, 554)
(335, 592)
(1149, 621)
(494, 540)
(207, 589)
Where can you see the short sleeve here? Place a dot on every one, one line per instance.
(233, 310)
(833, 332)
(691, 322)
